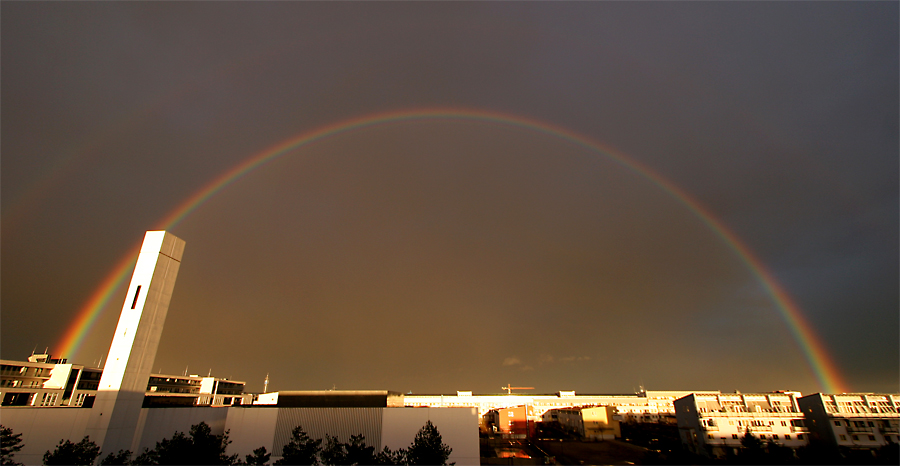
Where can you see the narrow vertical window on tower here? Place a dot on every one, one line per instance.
(137, 293)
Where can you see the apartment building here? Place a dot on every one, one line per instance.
(855, 421)
(43, 381)
(712, 424)
(591, 423)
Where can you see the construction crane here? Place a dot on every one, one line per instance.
(509, 388)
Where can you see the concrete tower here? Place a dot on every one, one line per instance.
(113, 422)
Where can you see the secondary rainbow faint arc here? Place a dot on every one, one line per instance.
(814, 351)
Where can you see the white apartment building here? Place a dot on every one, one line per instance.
(43, 381)
(646, 406)
(855, 421)
(713, 424)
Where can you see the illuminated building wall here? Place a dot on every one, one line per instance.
(114, 421)
(710, 425)
(858, 421)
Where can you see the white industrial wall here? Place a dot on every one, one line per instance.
(251, 428)
(43, 428)
(161, 423)
(458, 428)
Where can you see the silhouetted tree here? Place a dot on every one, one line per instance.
(779, 454)
(84, 452)
(358, 453)
(259, 456)
(888, 454)
(301, 450)
(388, 457)
(202, 447)
(122, 457)
(10, 443)
(334, 453)
(428, 447)
(752, 449)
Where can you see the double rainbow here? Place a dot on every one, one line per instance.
(821, 364)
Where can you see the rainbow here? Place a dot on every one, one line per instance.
(814, 351)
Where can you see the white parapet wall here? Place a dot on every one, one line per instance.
(43, 428)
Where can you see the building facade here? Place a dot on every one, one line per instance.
(646, 406)
(42, 381)
(853, 421)
(713, 424)
(593, 423)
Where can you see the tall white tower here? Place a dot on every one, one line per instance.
(113, 422)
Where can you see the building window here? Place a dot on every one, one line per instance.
(49, 399)
(787, 436)
(137, 292)
(837, 423)
(799, 436)
(872, 438)
(734, 436)
(774, 436)
(843, 438)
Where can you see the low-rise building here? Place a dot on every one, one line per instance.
(592, 423)
(645, 406)
(43, 381)
(512, 422)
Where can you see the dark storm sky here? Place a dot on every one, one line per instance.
(440, 255)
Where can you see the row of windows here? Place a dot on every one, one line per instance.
(21, 384)
(760, 423)
(79, 399)
(763, 437)
(856, 438)
(860, 407)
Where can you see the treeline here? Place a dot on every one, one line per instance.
(201, 446)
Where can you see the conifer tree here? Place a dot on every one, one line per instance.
(259, 456)
(10, 443)
(301, 449)
(428, 447)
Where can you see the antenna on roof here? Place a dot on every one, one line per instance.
(266, 384)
